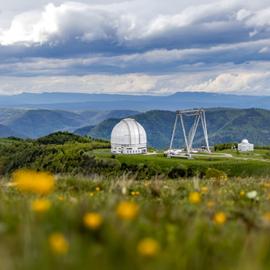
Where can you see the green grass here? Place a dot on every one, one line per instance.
(233, 167)
(186, 233)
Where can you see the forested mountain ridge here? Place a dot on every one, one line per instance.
(224, 125)
(37, 123)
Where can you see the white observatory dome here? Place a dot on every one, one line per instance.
(128, 137)
(245, 146)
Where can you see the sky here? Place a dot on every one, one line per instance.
(135, 47)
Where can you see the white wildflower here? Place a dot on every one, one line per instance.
(252, 194)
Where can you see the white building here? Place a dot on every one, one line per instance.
(245, 146)
(128, 137)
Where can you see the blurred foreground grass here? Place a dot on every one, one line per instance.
(125, 224)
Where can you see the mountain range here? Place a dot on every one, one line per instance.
(37, 123)
(143, 103)
(34, 115)
(224, 125)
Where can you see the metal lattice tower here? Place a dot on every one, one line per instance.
(199, 116)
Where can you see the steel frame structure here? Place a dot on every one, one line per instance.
(199, 116)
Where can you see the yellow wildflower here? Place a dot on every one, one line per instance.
(220, 218)
(127, 210)
(266, 184)
(148, 247)
(98, 189)
(135, 193)
(242, 193)
(91, 194)
(92, 221)
(40, 205)
(266, 217)
(210, 204)
(61, 198)
(147, 183)
(194, 197)
(58, 243)
(204, 189)
(34, 182)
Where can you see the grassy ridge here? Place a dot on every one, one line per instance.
(65, 153)
(233, 167)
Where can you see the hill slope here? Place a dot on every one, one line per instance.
(36, 123)
(224, 125)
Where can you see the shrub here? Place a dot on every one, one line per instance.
(225, 146)
(215, 174)
(179, 171)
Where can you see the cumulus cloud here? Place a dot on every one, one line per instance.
(242, 80)
(122, 24)
(136, 46)
(129, 83)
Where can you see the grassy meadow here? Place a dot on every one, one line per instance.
(81, 223)
(67, 203)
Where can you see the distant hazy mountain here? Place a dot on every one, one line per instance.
(104, 102)
(95, 117)
(7, 132)
(224, 125)
(36, 123)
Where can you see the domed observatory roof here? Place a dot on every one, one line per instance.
(128, 137)
(245, 146)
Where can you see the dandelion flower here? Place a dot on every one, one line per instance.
(127, 210)
(34, 182)
(194, 197)
(242, 193)
(92, 221)
(98, 189)
(204, 189)
(61, 198)
(148, 247)
(266, 217)
(266, 185)
(220, 218)
(40, 205)
(58, 243)
(210, 204)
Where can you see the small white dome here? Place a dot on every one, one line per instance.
(245, 141)
(128, 136)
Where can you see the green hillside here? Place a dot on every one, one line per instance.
(66, 153)
(224, 125)
(36, 123)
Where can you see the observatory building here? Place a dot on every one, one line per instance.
(245, 146)
(128, 137)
